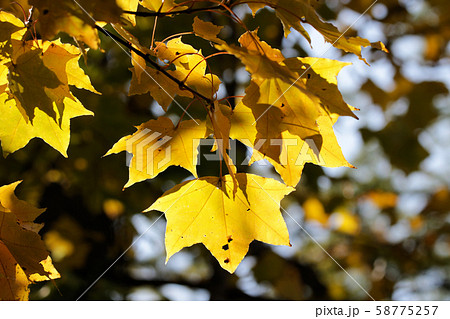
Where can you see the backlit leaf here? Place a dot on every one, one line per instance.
(207, 30)
(35, 95)
(158, 144)
(292, 152)
(15, 7)
(162, 5)
(289, 109)
(10, 28)
(23, 256)
(148, 80)
(33, 78)
(205, 211)
(16, 132)
(190, 66)
(129, 5)
(75, 18)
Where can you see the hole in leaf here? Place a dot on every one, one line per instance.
(225, 247)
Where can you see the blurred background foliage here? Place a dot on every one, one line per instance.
(386, 223)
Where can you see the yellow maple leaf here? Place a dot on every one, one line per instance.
(15, 132)
(75, 18)
(321, 80)
(158, 144)
(260, 59)
(288, 116)
(161, 5)
(293, 13)
(190, 66)
(10, 28)
(204, 211)
(284, 84)
(23, 256)
(291, 151)
(37, 78)
(207, 30)
(35, 97)
(124, 33)
(148, 80)
(275, 92)
(16, 7)
(129, 5)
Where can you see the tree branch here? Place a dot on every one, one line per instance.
(147, 58)
(168, 13)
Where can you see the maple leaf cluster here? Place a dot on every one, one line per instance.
(293, 101)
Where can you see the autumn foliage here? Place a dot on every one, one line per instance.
(286, 117)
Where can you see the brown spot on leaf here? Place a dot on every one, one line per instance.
(227, 260)
(230, 239)
(225, 247)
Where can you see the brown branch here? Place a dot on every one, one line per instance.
(169, 13)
